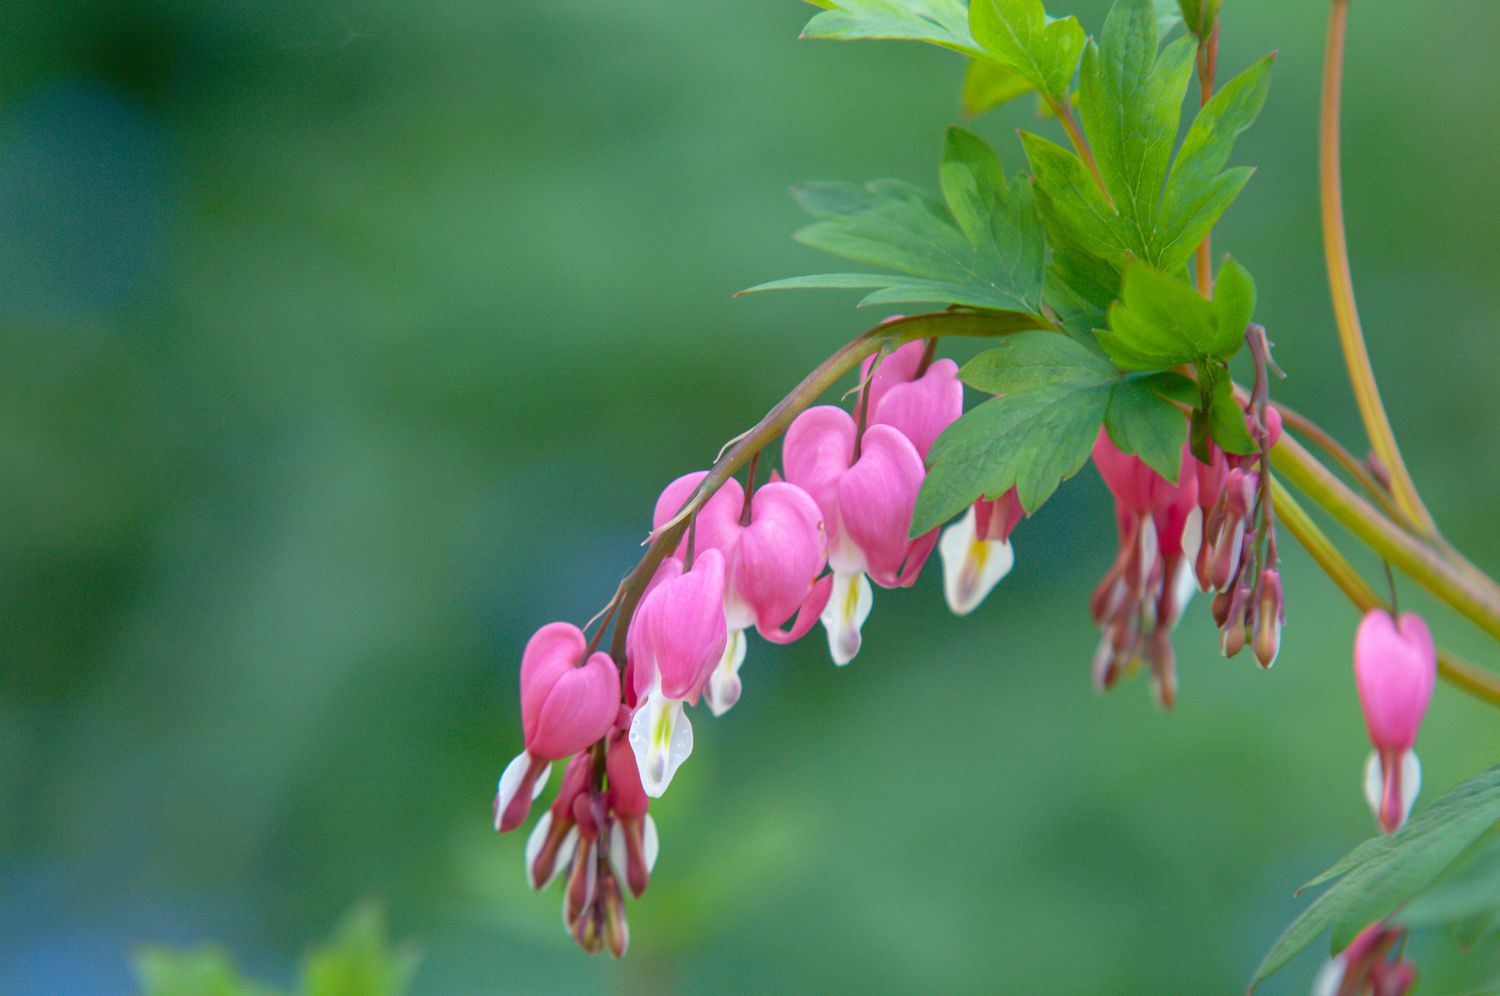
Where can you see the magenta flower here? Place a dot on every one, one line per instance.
(867, 503)
(1365, 965)
(1395, 665)
(919, 407)
(567, 703)
(1141, 598)
(772, 567)
(677, 637)
(976, 551)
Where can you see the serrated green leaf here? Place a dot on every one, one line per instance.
(1000, 219)
(1031, 438)
(1199, 15)
(1160, 322)
(1196, 192)
(940, 22)
(982, 248)
(1029, 361)
(988, 84)
(1130, 99)
(1071, 203)
(359, 958)
(1018, 35)
(1381, 874)
(1142, 421)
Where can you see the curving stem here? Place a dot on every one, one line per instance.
(1341, 281)
(934, 325)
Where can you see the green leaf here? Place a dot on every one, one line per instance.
(1196, 192)
(1071, 203)
(1234, 298)
(1032, 438)
(1130, 99)
(1199, 15)
(1468, 891)
(202, 971)
(1168, 16)
(1225, 416)
(982, 248)
(1018, 35)
(359, 958)
(1030, 361)
(988, 84)
(1381, 874)
(941, 22)
(1160, 321)
(999, 219)
(1141, 420)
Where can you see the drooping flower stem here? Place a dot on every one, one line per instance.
(1472, 679)
(1341, 282)
(1208, 63)
(1472, 595)
(1357, 469)
(827, 373)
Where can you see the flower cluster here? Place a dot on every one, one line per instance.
(1202, 528)
(804, 547)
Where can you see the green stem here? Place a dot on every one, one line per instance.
(1469, 677)
(1341, 281)
(665, 538)
(1473, 596)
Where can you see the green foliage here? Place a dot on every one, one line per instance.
(359, 960)
(981, 246)
(1433, 864)
(1130, 100)
(940, 22)
(1018, 35)
(988, 84)
(1054, 394)
(1199, 15)
(1160, 321)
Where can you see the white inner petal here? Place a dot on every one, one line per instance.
(971, 566)
(534, 847)
(847, 609)
(661, 738)
(510, 783)
(724, 687)
(649, 843)
(1411, 783)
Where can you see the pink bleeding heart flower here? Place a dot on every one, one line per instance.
(772, 563)
(1395, 666)
(554, 839)
(867, 504)
(976, 551)
(633, 842)
(1142, 597)
(1365, 966)
(919, 407)
(567, 703)
(677, 637)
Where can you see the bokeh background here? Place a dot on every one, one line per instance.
(343, 343)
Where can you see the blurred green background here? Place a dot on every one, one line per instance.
(342, 344)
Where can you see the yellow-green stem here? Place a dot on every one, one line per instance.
(1341, 281)
(1475, 597)
(1460, 673)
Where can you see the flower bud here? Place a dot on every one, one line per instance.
(1395, 666)
(1270, 614)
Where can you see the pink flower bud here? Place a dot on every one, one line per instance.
(632, 840)
(555, 836)
(920, 408)
(1270, 615)
(1395, 666)
(776, 562)
(567, 703)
